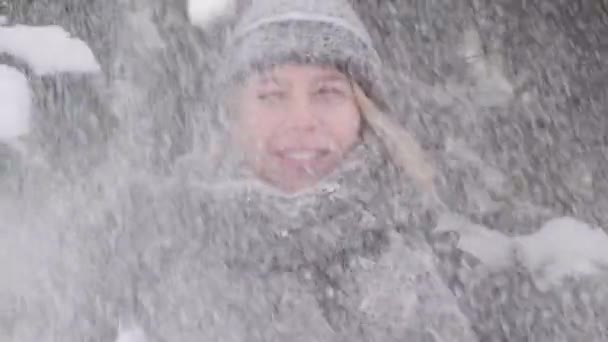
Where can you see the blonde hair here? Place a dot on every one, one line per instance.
(405, 152)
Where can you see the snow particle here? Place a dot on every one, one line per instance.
(14, 103)
(132, 335)
(204, 13)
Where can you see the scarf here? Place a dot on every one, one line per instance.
(237, 261)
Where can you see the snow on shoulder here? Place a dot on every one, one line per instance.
(15, 102)
(563, 248)
(48, 49)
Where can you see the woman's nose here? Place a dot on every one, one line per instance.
(302, 115)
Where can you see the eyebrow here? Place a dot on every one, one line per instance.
(332, 77)
(269, 79)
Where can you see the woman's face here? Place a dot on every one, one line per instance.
(295, 123)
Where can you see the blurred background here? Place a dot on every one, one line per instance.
(509, 98)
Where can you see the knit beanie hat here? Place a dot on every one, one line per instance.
(316, 32)
(328, 33)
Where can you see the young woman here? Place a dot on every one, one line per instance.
(318, 240)
(331, 243)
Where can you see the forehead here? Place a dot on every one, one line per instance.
(299, 73)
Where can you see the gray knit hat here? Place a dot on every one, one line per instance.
(319, 32)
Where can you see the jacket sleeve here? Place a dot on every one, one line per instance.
(405, 297)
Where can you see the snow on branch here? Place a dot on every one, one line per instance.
(48, 49)
(15, 102)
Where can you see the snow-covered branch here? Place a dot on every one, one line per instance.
(48, 49)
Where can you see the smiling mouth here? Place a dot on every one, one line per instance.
(303, 155)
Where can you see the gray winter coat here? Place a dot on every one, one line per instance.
(193, 261)
(236, 263)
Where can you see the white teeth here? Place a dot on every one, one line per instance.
(302, 155)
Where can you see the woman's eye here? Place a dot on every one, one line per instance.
(333, 91)
(330, 94)
(271, 95)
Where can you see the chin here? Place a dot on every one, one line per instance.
(292, 180)
(293, 187)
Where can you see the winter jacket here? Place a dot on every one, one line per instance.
(234, 262)
(189, 261)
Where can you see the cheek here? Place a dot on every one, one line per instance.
(253, 127)
(345, 125)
